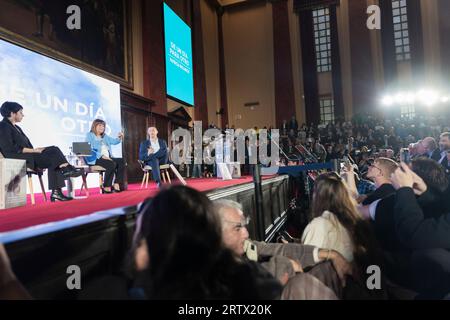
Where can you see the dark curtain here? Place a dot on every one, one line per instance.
(339, 111)
(309, 67)
(444, 32)
(416, 39)
(388, 42)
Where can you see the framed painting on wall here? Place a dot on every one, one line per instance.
(102, 45)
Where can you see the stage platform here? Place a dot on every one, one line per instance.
(95, 233)
(42, 213)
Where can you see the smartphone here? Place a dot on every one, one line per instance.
(405, 155)
(250, 250)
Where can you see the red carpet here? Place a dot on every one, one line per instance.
(44, 212)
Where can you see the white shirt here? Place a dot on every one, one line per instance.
(155, 145)
(373, 209)
(326, 232)
(443, 156)
(105, 150)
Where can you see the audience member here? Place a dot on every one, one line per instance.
(185, 254)
(427, 237)
(380, 172)
(287, 262)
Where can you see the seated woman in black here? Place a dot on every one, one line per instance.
(15, 144)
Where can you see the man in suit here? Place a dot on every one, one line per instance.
(431, 148)
(153, 152)
(16, 145)
(444, 145)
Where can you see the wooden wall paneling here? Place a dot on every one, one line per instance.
(135, 126)
(135, 113)
(201, 108)
(153, 54)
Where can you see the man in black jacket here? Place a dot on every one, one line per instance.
(380, 172)
(16, 145)
(429, 238)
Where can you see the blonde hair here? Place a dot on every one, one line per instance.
(387, 166)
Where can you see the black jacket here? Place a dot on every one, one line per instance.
(143, 147)
(416, 231)
(433, 204)
(381, 192)
(436, 155)
(12, 142)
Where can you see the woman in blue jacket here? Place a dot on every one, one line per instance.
(102, 156)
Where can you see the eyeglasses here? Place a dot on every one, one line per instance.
(241, 224)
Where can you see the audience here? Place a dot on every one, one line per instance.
(380, 172)
(187, 247)
(183, 256)
(444, 145)
(428, 238)
(337, 224)
(286, 262)
(431, 148)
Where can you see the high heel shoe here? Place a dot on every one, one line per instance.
(57, 195)
(105, 191)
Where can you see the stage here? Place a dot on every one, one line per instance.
(96, 233)
(32, 216)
